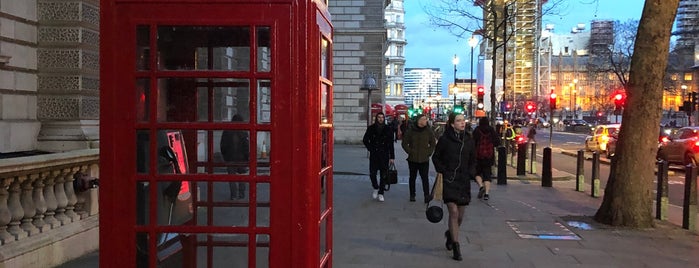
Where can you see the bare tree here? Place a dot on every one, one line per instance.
(613, 58)
(491, 19)
(627, 196)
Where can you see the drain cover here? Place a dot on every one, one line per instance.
(542, 230)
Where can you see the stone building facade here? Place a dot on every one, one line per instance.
(49, 75)
(359, 45)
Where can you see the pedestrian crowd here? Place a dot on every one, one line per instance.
(459, 155)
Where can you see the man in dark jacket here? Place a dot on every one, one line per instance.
(235, 149)
(378, 140)
(484, 162)
(419, 142)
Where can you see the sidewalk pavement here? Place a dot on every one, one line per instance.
(522, 225)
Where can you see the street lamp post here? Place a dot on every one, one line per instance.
(455, 61)
(472, 42)
(369, 84)
(575, 98)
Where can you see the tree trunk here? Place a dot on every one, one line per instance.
(628, 197)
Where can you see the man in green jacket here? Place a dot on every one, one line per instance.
(419, 142)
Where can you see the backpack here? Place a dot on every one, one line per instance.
(485, 146)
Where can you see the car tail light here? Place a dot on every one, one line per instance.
(664, 139)
(696, 146)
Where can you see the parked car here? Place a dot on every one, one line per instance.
(681, 147)
(600, 137)
(664, 136)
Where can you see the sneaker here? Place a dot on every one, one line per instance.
(375, 194)
(486, 196)
(481, 192)
(380, 198)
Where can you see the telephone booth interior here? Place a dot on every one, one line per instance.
(216, 133)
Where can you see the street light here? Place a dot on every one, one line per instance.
(455, 61)
(369, 84)
(573, 97)
(472, 42)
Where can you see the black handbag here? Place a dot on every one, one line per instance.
(391, 176)
(434, 211)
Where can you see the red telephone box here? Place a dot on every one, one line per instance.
(216, 133)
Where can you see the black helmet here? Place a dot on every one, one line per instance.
(434, 214)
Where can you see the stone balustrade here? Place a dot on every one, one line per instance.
(37, 196)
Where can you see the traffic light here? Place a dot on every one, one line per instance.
(531, 107)
(481, 94)
(458, 109)
(619, 101)
(552, 101)
(694, 101)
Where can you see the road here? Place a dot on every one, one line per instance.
(572, 142)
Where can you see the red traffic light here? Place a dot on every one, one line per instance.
(618, 96)
(552, 101)
(481, 91)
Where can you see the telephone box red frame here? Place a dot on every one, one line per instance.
(299, 231)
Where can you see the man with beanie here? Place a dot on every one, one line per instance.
(378, 140)
(419, 142)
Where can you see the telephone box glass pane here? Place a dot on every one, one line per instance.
(231, 100)
(187, 99)
(173, 202)
(262, 251)
(264, 101)
(230, 250)
(203, 48)
(264, 152)
(233, 150)
(264, 53)
(142, 99)
(142, 48)
(324, 112)
(142, 250)
(324, 57)
(142, 151)
(263, 205)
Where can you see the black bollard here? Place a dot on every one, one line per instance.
(689, 206)
(580, 172)
(546, 173)
(521, 160)
(532, 159)
(662, 201)
(502, 165)
(595, 175)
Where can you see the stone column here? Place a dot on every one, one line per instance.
(61, 200)
(28, 206)
(70, 194)
(5, 214)
(68, 77)
(39, 201)
(15, 207)
(51, 203)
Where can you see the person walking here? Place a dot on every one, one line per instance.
(378, 140)
(486, 140)
(455, 159)
(531, 134)
(419, 142)
(235, 149)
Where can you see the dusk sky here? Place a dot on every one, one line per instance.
(432, 47)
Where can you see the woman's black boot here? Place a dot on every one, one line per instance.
(449, 242)
(457, 251)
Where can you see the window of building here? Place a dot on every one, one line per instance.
(399, 50)
(673, 77)
(687, 76)
(387, 71)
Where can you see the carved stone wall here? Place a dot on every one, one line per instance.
(68, 74)
(18, 76)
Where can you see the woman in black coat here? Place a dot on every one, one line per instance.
(455, 159)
